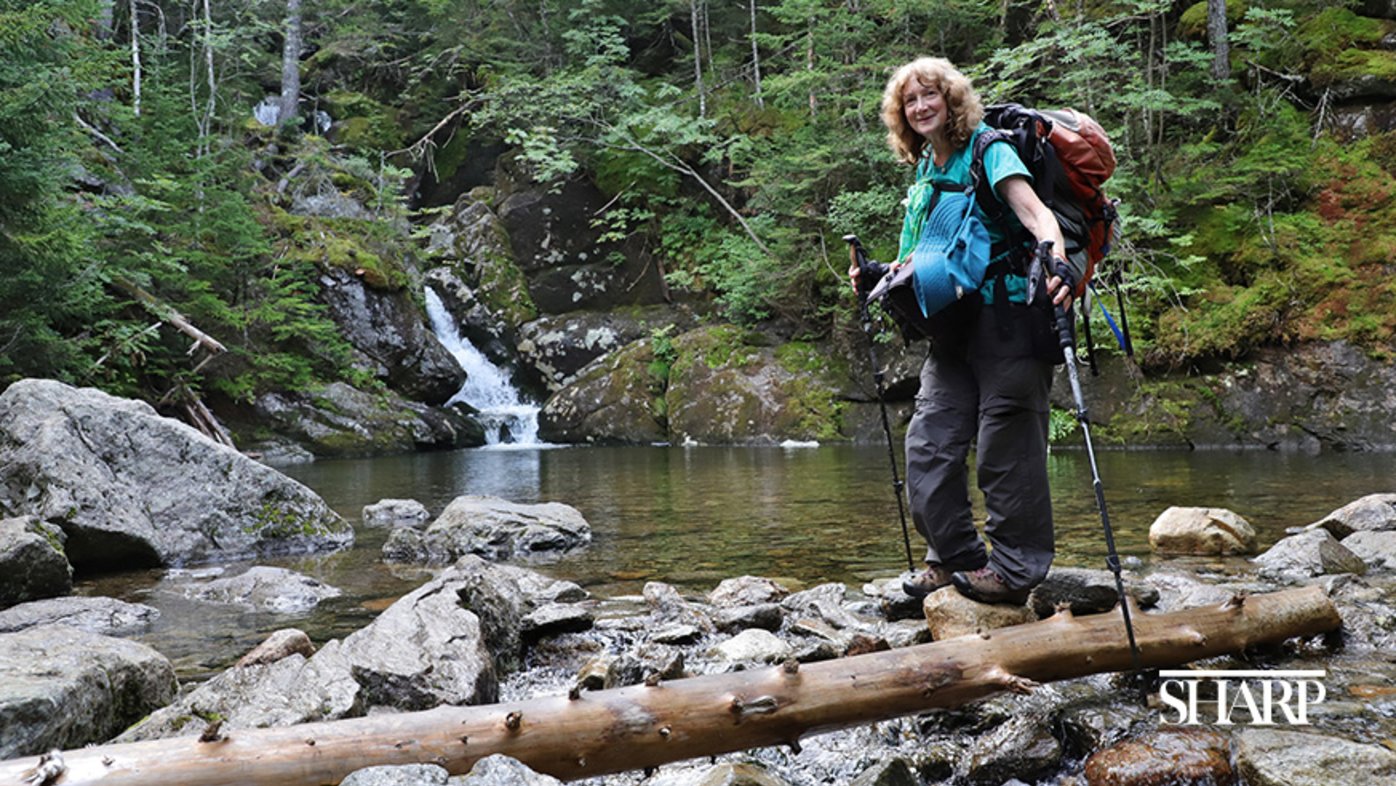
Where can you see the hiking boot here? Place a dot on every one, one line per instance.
(986, 586)
(927, 581)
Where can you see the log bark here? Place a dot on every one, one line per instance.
(587, 734)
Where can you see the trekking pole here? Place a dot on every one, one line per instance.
(860, 259)
(1112, 560)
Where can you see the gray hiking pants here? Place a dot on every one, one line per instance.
(994, 392)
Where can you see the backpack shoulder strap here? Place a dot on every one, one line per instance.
(979, 181)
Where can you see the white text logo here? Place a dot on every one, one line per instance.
(1256, 698)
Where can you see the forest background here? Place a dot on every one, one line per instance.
(738, 138)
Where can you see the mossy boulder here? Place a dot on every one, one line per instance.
(726, 387)
(617, 399)
(340, 420)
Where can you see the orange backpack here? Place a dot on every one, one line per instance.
(1070, 158)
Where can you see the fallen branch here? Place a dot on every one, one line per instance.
(646, 725)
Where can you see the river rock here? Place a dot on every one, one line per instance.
(340, 420)
(1372, 513)
(1275, 757)
(265, 588)
(1019, 748)
(32, 562)
(1180, 530)
(950, 614)
(131, 488)
(395, 513)
(494, 528)
(61, 687)
(752, 646)
(1096, 722)
(280, 644)
(746, 591)
(1377, 549)
(554, 618)
(891, 771)
(1086, 591)
(501, 770)
(102, 616)
(386, 329)
(1310, 553)
(1164, 757)
(436, 645)
(767, 616)
(291, 690)
(893, 601)
(403, 775)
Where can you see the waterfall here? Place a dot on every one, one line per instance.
(506, 418)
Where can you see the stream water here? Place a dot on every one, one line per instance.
(694, 516)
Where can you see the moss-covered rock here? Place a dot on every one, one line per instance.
(615, 400)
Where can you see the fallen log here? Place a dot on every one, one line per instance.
(586, 734)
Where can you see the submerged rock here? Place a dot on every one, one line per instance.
(129, 487)
(395, 513)
(491, 527)
(267, 589)
(61, 687)
(102, 616)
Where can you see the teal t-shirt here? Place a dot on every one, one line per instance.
(1000, 161)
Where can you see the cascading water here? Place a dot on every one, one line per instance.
(507, 419)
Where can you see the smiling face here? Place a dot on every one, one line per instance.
(925, 109)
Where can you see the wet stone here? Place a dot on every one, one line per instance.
(555, 618)
(746, 591)
(888, 772)
(677, 634)
(1162, 757)
(1020, 748)
(767, 616)
(1093, 724)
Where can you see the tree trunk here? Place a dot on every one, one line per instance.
(1216, 34)
(135, 60)
(697, 59)
(291, 65)
(755, 58)
(643, 726)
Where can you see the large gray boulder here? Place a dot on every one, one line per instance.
(491, 527)
(61, 687)
(102, 616)
(340, 420)
(32, 562)
(1372, 513)
(386, 327)
(129, 487)
(1310, 553)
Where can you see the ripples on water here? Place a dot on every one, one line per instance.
(694, 516)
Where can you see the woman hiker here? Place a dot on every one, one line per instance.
(989, 368)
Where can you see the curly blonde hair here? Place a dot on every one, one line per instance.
(963, 104)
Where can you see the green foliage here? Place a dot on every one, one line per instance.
(1244, 225)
